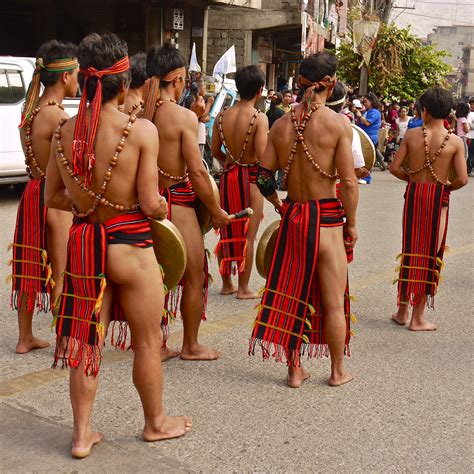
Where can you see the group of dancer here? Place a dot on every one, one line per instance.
(83, 244)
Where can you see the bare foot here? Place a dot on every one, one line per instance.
(423, 326)
(82, 449)
(31, 344)
(400, 321)
(172, 427)
(167, 353)
(247, 295)
(338, 380)
(228, 290)
(296, 377)
(199, 352)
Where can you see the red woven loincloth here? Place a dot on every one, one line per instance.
(182, 194)
(420, 260)
(290, 316)
(78, 327)
(31, 271)
(235, 195)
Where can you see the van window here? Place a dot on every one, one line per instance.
(12, 89)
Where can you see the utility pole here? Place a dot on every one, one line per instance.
(364, 71)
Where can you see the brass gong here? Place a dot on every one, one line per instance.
(368, 147)
(266, 249)
(170, 250)
(202, 212)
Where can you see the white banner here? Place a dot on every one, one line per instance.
(226, 64)
(193, 64)
(365, 34)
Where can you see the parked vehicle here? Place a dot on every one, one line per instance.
(15, 76)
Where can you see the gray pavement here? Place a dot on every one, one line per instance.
(408, 409)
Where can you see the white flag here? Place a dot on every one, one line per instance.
(193, 64)
(226, 63)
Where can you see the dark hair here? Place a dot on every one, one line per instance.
(278, 99)
(338, 93)
(418, 108)
(462, 110)
(101, 52)
(373, 99)
(437, 101)
(316, 66)
(51, 51)
(138, 70)
(249, 80)
(161, 60)
(286, 91)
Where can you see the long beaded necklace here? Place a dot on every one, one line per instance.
(244, 147)
(428, 164)
(159, 103)
(299, 139)
(98, 197)
(30, 159)
(133, 109)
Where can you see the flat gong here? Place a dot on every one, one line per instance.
(170, 250)
(266, 249)
(368, 147)
(202, 212)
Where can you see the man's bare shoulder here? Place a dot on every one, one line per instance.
(52, 116)
(457, 141)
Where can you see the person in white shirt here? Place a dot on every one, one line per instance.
(470, 135)
(402, 123)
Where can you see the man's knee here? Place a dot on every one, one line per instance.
(151, 340)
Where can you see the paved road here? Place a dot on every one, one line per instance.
(408, 409)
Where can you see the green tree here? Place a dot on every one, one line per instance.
(400, 66)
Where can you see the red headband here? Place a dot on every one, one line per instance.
(84, 133)
(314, 86)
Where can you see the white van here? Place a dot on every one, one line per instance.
(15, 77)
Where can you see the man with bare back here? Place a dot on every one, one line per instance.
(39, 246)
(182, 177)
(134, 101)
(239, 138)
(305, 306)
(426, 156)
(103, 168)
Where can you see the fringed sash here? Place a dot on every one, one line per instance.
(290, 316)
(77, 319)
(31, 271)
(420, 261)
(235, 196)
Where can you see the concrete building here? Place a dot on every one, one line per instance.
(467, 71)
(274, 34)
(454, 39)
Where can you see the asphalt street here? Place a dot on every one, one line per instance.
(408, 409)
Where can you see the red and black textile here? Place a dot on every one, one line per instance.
(253, 172)
(182, 194)
(234, 188)
(290, 320)
(77, 319)
(421, 261)
(31, 271)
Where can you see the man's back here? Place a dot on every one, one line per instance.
(414, 140)
(174, 123)
(328, 136)
(236, 123)
(122, 187)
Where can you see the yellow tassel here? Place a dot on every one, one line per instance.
(101, 331)
(54, 322)
(9, 278)
(254, 323)
(308, 323)
(10, 246)
(352, 298)
(446, 249)
(165, 289)
(353, 318)
(100, 298)
(162, 272)
(399, 256)
(44, 257)
(352, 333)
(394, 281)
(398, 268)
(10, 263)
(261, 291)
(305, 339)
(49, 274)
(311, 309)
